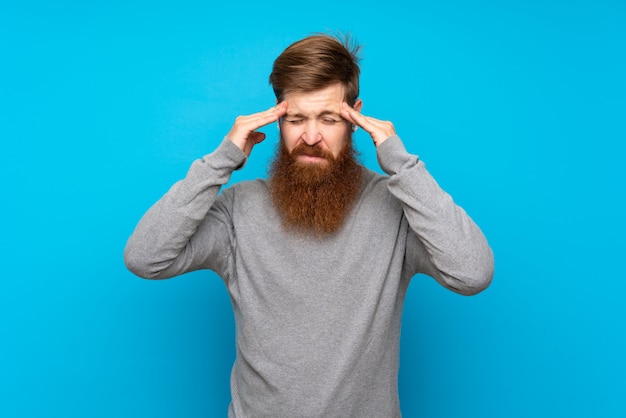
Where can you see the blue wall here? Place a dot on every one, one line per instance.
(518, 109)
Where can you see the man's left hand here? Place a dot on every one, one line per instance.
(379, 130)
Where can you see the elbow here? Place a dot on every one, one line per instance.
(472, 279)
(468, 286)
(138, 265)
(480, 279)
(475, 285)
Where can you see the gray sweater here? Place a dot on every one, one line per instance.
(317, 319)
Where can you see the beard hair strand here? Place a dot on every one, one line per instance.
(314, 198)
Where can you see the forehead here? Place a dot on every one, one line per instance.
(327, 99)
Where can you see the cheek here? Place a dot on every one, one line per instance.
(289, 138)
(337, 141)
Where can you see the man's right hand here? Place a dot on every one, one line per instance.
(244, 132)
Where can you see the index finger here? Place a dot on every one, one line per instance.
(270, 115)
(379, 130)
(354, 116)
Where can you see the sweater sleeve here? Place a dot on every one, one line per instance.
(187, 229)
(449, 246)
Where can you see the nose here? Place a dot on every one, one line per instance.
(311, 135)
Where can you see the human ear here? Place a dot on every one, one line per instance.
(358, 105)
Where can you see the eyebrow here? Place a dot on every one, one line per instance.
(323, 113)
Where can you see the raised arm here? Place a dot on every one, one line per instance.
(186, 229)
(460, 257)
(457, 253)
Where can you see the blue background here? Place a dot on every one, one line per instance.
(517, 108)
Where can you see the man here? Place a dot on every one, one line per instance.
(316, 259)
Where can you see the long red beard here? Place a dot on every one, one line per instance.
(314, 198)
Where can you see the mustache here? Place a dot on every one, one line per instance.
(311, 150)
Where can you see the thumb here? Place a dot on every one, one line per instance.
(257, 137)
